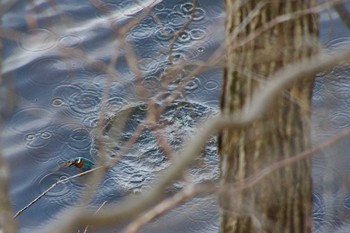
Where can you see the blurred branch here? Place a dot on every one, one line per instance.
(187, 193)
(87, 227)
(262, 100)
(343, 13)
(7, 223)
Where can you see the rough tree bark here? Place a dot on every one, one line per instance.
(282, 202)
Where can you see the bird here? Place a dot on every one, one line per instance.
(83, 163)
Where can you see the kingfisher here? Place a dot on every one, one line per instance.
(79, 162)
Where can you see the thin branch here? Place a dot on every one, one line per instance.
(261, 102)
(50, 188)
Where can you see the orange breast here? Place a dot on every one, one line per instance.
(79, 165)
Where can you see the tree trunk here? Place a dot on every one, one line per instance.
(282, 202)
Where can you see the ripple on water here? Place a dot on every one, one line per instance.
(36, 40)
(340, 120)
(197, 33)
(193, 84)
(65, 93)
(186, 8)
(114, 104)
(211, 85)
(165, 33)
(176, 19)
(184, 37)
(38, 140)
(199, 14)
(75, 136)
(62, 194)
(31, 119)
(41, 71)
(57, 102)
(70, 41)
(141, 31)
(87, 101)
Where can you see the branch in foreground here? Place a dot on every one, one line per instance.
(343, 13)
(262, 100)
(187, 193)
(104, 203)
(7, 224)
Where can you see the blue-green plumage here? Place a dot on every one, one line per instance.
(80, 162)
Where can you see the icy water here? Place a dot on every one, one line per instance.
(56, 84)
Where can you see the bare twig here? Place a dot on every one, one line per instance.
(50, 188)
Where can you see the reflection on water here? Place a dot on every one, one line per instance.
(59, 67)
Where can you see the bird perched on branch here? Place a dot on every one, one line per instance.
(79, 162)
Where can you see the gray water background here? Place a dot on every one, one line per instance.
(58, 99)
